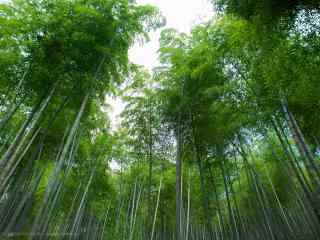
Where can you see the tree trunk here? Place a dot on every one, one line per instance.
(178, 182)
(150, 142)
(205, 200)
(303, 148)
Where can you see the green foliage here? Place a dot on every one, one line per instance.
(222, 88)
(81, 44)
(267, 11)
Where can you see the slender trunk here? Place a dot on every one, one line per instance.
(298, 173)
(16, 105)
(132, 231)
(283, 213)
(9, 115)
(9, 157)
(257, 191)
(199, 160)
(79, 213)
(178, 182)
(205, 201)
(188, 210)
(150, 142)
(220, 218)
(156, 210)
(303, 148)
(236, 212)
(230, 211)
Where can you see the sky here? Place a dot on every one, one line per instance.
(181, 15)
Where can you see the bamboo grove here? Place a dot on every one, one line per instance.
(220, 141)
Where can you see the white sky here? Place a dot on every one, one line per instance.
(181, 15)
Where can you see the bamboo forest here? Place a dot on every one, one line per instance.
(219, 141)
